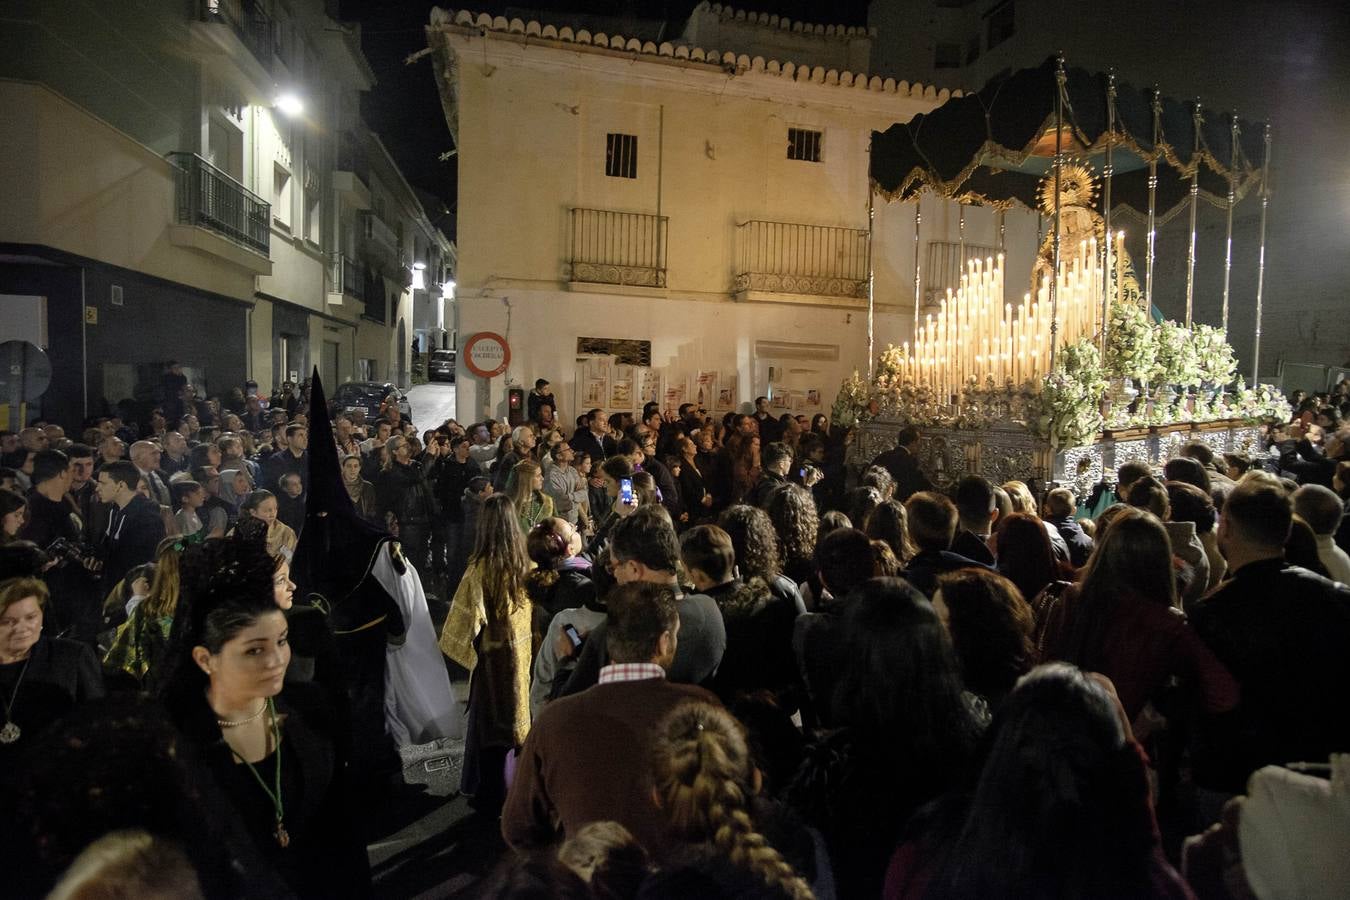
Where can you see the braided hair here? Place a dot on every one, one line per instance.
(702, 773)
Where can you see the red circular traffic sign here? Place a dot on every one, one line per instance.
(487, 354)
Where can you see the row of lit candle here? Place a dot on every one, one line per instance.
(976, 335)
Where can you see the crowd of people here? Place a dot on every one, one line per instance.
(705, 656)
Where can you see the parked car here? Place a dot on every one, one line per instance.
(370, 396)
(442, 366)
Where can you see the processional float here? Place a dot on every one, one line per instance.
(1069, 379)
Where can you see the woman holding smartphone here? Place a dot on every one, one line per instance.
(617, 474)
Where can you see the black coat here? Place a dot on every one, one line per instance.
(923, 570)
(131, 537)
(904, 469)
(449, 477)
(58, 675)
(405, 492)
(1282, 632)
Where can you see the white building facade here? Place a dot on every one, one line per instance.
(687, 209)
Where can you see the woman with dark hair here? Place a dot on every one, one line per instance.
(859, 504)
(741, 471)
(991, 628)
(276, 758)
(692, 481)
(12, 509)
(757, 552)
(1061, 808)
(1191, 504)
(488, 633)
(1121, 619)
(889, 523)
(612, 473)
(909, 731)
(1024, 555)
(792, 512)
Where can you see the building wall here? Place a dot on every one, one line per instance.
(777, 37)
(73, 182)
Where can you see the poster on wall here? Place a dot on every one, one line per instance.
(727, 400)
(650, 380)
(621, 389)
(705, 390)
(677, 390)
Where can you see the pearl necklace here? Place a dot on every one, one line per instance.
(226, 723)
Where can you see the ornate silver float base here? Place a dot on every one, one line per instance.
(1008, 452)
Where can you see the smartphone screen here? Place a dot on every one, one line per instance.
(626, 491)
(572, 635)
(802, 473)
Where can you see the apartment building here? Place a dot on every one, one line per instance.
(175, 188)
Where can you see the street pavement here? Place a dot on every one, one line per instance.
(432, 403)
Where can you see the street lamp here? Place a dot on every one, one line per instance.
(448, 290)
(290, 104)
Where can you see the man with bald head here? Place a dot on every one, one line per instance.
(145, 455)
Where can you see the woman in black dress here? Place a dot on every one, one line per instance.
(41, 678)
(277, 758)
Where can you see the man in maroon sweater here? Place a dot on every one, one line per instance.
(588, 756)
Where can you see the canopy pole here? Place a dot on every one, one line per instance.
(1232, 202)
(1002, 230)
(1152, 203)
(1060, 78)
(1195, 202)
(961, 231)
(871, 281)
(918, 220)
(1261, 264)
(1107, 172)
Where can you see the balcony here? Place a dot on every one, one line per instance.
(249, 22)
(800, 261)
(210, 199)
(351, 178)
(347, 277)
(618, 248)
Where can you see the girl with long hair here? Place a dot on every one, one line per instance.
(889, 523)
(1061, 808)
(13, 507)
(1121, 619)
(1024, 556)
(792, 510)
(525, 489)
(488, 633)
(140, 647)
(704, 781)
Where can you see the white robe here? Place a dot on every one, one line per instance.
(419, 705)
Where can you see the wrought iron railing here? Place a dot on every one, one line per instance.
(209, 198)
(945, 264)
(249, 21)
(788, 258)
(347, 276)
(611, 247)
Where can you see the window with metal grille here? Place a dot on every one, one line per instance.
(621, 155)
(803, 144)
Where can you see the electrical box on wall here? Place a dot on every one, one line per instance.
(115, 295)
(515, 406)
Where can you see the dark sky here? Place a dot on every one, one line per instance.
(404, 108)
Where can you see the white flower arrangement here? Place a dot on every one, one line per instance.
(1177, 362)
(1131, 343)
(1068, 413)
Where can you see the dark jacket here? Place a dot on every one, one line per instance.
(449, 477)
(768, 483)
(698, 653)
(131, 538)
(923, 570)
(904, 469)
(57, 676)
(533, 401)
(759, 640)
(403, 490)
(972, 546)
(585, 441)
(1282, 632)
(1080, 545)
(665, 482)
(284, 462)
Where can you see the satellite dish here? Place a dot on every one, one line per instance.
(25, 372)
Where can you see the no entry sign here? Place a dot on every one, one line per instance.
(487, 354)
